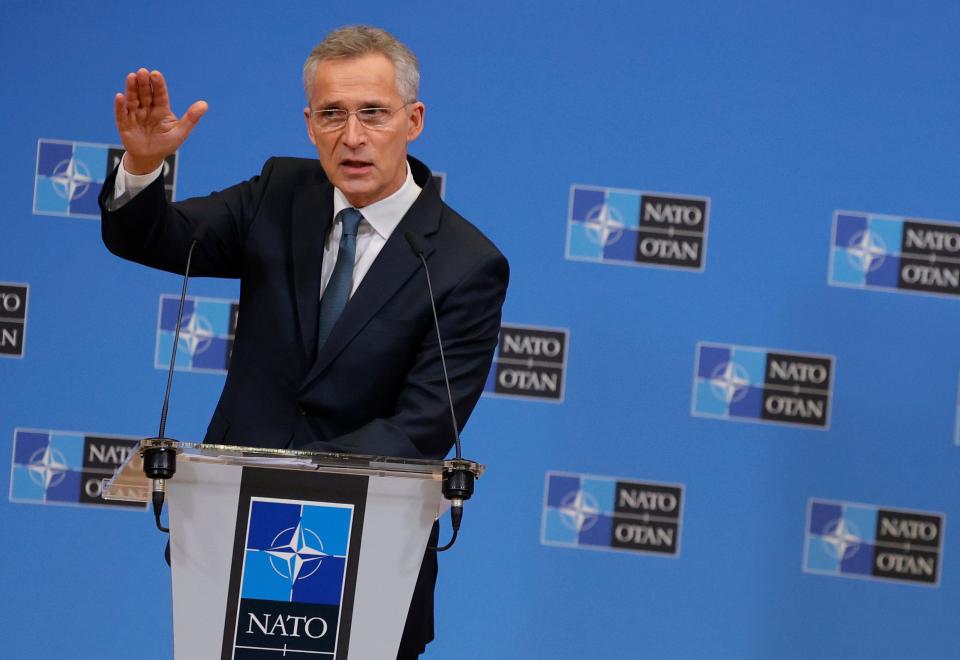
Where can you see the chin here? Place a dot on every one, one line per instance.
(363, 195)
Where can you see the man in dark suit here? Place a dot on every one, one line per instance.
(335, 348)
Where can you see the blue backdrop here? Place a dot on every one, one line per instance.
(780, 115)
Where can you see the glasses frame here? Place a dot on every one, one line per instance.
(315, 114)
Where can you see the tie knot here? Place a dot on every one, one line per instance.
(350, 218)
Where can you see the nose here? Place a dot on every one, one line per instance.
(354, 134)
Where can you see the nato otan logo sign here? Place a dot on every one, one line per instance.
(66, 467)
(13, 319)
(530, 363)
(848, 539)
(632, 227)
(606, 513)
(748, 384)
(70, 176)
(893, 253)
(206, 333)
(292, 580)
(440, 181)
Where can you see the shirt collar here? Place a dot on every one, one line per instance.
(385, 215)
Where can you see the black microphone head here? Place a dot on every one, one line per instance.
(200, 231)
(414, 243)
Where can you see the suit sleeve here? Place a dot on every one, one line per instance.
(469, 318)
(151, 231)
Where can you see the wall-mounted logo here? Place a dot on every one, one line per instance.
(893, 253)
(64, 467)
(70, 175)
(605, 513)
(206, 334)
(747, 384)
(440, 181)
(13, 319)
(631, 227)
(866, 541)
(530, 363)
(292, 580)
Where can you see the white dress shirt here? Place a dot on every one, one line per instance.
(379, 220)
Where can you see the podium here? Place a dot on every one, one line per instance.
(290, 554)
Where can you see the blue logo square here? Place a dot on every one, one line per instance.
(624, 248)
(848, 226)
(205, 338)
(585, 200)
(296, 551)
(27, 443)
(69, 178)
(710, 358)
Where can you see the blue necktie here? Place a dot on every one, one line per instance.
(337, 293)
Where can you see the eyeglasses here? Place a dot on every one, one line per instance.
(333, 119)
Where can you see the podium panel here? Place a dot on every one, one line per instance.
(291, 554)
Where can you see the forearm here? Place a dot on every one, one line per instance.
(151, 231)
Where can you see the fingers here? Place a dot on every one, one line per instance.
(192, 116)
(120, 110)
(158, 84)
(145, 94)
(143, 91)
(194, 112)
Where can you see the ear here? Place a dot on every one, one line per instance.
(415, 114)
(306, 117)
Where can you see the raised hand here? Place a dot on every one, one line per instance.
(148, 128)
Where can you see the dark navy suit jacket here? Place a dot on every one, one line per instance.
(376, 386)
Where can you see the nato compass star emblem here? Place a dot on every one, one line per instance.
(729, 382)
(296, 553)
(841, 538)
(579, 511)
(47, 467)
(866, 251)
(196, 334)
(71, 179)
(604, 224)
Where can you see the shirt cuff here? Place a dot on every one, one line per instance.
(127, 186)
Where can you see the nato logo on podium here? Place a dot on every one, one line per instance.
(292, 580)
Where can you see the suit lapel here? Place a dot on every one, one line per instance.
(312, 210)
(390, 271)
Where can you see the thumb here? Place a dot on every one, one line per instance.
(193, 115)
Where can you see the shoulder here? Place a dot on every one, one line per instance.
(294, 170)
(463, 236)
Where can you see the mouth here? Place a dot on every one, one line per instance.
(354, 167)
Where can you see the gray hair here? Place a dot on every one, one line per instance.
(358, 40)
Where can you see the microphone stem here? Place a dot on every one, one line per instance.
(443, 362)
(176, 342)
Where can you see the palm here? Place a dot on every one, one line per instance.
(148, 128)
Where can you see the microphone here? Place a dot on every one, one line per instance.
(160, 463)
(458, 478)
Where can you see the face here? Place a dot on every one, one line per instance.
(366, 164)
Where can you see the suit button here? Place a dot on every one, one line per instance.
(301, 411)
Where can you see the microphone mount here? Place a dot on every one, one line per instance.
(160, 462)
(458, 474)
